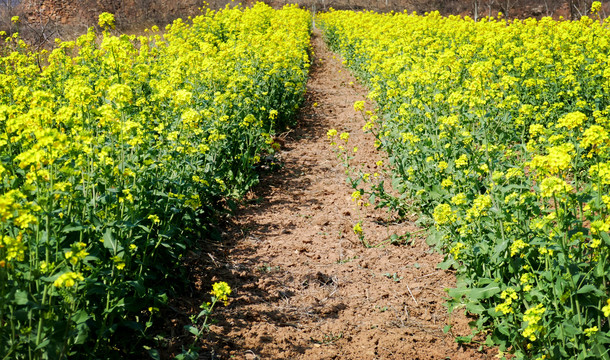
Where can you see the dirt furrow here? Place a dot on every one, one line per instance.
(304, 285)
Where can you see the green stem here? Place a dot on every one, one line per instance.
(41, 317)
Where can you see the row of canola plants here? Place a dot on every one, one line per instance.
(500, 131)
(115, 153)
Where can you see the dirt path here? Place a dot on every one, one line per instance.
(304, 286)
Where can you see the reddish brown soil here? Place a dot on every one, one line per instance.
(304, 285)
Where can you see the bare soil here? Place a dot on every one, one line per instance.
(304, 285)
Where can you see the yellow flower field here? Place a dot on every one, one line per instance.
(498, 131)
(116, 153)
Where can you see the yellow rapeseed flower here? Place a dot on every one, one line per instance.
(359, 105)
(358, 228)
(106, 20)
(221, 291)
(606, 308)
(68, 279)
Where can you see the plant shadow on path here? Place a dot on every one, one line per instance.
(304, 286)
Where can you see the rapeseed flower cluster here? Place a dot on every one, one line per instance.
(68, 279)
(532, 318)
(221, 291)
(509, 295)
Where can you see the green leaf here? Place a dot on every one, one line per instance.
(153, 353)
(599, 269)
(82, 333)
(96, 221)
(458, 293)
(489, 341)
(504, 329)
(605, 237)
(484, 293)
(447, 264)
(435, 237)
(138, 286)
(134, 325)
(570, 330)
(599, 351)
(436, 193)
(80, 317)
(193, 330)
(475, 308)
(43, 344)
(590, 289)
(72, 228)
(187, 355)
(464, 339)
(21, 297)
(500, 248)
(111, 243)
